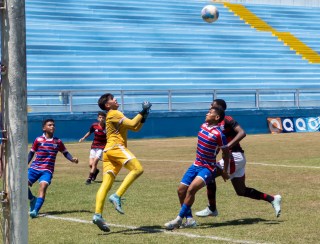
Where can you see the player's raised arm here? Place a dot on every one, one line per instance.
(146, 106)
(135, 124)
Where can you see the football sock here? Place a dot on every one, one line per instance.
(135, 171)
(254, 194)
(211, 193)
(90, 176)
(189, 214)
(103, 191)
(39, 203)
(184, 210)
(30, 196)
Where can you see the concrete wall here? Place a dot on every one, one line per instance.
(72, 127)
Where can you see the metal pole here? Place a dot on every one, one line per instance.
(70, 101)
(257, 99)
(214, 94)
(297, 98)
(170, 100)
(14, 99)
(122, 101)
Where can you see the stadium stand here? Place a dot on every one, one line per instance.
(154, 46)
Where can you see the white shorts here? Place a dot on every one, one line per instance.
(96, 153)
(237, 165)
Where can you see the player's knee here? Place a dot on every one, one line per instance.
(140, 171)
(211, 186)
(181, 192)
(191, 191)
(241, 192)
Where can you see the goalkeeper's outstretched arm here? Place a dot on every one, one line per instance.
(132, 123)
(135, 124)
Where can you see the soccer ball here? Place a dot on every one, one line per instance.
(210, 13)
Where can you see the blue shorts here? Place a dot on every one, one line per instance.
(194, 171)
(43, 175)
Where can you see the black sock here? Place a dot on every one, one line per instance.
(254, 194)
(90, 176)
(211, 193)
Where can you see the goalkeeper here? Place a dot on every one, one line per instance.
(116, 155)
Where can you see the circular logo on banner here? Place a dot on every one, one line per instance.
(287, 125)
(275, 125)
(301, 124)
(313, 124)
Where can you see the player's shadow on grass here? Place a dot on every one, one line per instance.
(100, 181)
(159, 229)
(137, 231)
(67, 212)
(247, 221)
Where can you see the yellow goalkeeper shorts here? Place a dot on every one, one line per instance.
(115, 158)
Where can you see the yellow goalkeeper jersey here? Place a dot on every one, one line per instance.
(117, 126)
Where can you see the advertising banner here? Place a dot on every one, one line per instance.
(291, 124)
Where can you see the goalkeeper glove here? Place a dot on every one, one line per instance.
(144, 117)
(145, 108)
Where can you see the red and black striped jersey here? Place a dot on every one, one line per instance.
(228, 126)
(100, 138)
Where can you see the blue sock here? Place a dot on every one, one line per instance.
(30, 196)
(189, 214)
(39, 203)
(184, 210)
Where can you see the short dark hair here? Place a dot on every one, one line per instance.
(46, 121)
(102, 114)
(221, 103)
(219, 110)
(103, 100)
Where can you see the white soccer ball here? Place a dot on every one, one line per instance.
(210, 13)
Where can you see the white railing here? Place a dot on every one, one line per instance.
(74, 101)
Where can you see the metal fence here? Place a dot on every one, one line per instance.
(74, 101)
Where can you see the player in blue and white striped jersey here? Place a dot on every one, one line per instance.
(202, 171)
(46, 148)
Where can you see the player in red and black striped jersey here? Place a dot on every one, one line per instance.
(234, 133)
(97, 146)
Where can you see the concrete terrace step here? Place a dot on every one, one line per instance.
(93, 68)
(149, 60)
(165, 47)
(167, 53)
(173, 84)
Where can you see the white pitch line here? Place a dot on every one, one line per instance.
(142, 140)
(217, 238)
(263, 164)
(287, 166)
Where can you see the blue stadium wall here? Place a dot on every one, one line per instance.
(163, 124)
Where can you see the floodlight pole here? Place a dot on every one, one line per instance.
(14, 99)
